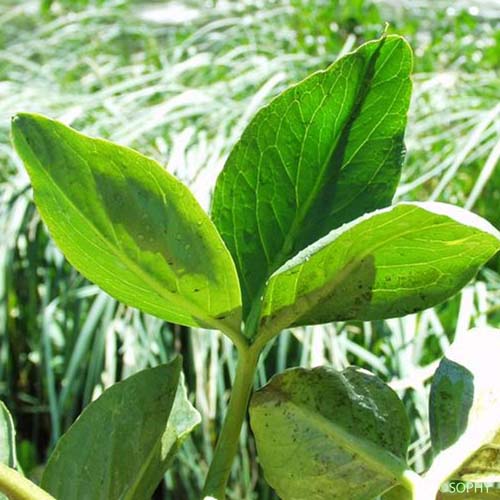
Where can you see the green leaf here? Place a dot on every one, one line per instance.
(7, 438)
(183, 419)
(465, 410)
(324, 152)
(398, 493)
(323, 434)
(388, 263)
(128, 225)
(13, 484)
(122, 443)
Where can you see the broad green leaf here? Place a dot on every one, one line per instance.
(322, 153)
(128, 225)
(7, 438)
(323, 434)
(122, 443)
(388, 263)
(465, 410)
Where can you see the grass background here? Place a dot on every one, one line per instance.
(179, 81)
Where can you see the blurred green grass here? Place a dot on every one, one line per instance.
(179, 81)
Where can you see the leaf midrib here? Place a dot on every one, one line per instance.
(129, 495)
(288, 243)
(363, 91)
(321, 292)
(391, 465)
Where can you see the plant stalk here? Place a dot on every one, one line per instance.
(228, 441)
(17, 487)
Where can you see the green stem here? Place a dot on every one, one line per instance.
(227, 444)
(17, 487)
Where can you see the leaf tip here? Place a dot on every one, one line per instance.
(21, 120)
(23, 125)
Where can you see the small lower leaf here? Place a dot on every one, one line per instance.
(323, 434)
(121, 445)
(7, 438)
(183, 419)
(465, 410)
